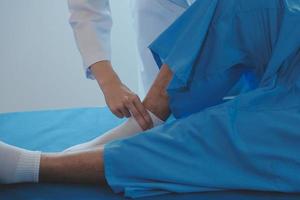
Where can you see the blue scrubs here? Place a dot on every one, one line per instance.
(251, 142)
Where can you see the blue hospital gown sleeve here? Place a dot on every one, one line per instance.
(196, 47)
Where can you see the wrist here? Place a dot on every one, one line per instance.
(107, 85)
(105, 75)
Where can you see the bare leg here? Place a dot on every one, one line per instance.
(78, 167)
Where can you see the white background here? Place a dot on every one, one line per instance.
(40, 67)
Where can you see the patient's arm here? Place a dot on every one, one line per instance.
(157, 100)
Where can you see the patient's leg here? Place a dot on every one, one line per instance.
(74, 167)
(19, 165)
(128, 128)
(87, 166)
(156, 102)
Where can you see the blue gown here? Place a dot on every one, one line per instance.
(251, 142)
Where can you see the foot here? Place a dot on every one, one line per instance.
(18, 165)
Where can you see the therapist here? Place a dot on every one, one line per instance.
(91, 21)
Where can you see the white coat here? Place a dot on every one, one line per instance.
(91, 22)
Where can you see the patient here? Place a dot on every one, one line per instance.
(250, 142)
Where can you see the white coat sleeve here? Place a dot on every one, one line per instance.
(91, 22)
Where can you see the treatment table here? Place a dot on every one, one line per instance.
(56, 130)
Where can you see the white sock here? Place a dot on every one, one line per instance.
(18, 165)
(128, 128)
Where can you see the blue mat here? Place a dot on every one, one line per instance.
(56, 130)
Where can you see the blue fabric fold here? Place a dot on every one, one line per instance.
(248, 143)
(172, 44)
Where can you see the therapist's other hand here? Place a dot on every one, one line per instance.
(121, 101)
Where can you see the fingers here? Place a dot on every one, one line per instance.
(117, 112)
(126, 112)
(120, 110)
(144, 113)
(132, 106)
(137, 116)
(139, 113)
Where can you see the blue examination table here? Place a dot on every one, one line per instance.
(55, 130)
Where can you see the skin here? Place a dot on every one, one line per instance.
(80, 167)
(121, 100)
(88, 166)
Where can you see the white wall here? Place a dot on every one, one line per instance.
(40, 67)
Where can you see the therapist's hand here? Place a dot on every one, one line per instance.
(121, 101)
